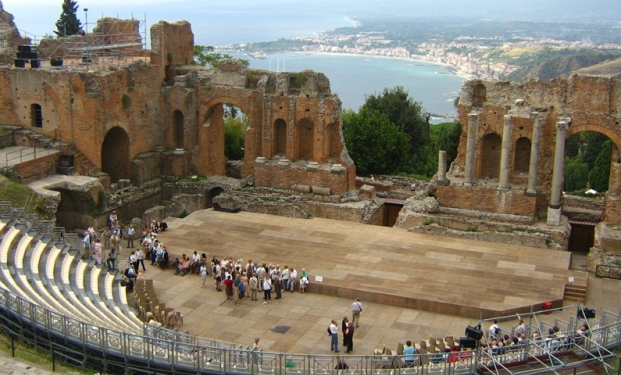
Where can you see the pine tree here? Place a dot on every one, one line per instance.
(68, 23)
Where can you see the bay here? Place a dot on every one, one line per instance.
(353, 77)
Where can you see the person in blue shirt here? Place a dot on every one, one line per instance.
(408, 352)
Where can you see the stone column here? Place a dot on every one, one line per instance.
(554, 210)
(442, 168)
(505, 153)
(531, 190)
(473, 124)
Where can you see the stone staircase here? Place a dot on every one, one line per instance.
(576, 291)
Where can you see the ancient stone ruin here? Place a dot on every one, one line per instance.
(508, 176)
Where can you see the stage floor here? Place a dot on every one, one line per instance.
(390, 266)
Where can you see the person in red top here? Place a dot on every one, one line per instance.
(228, 287)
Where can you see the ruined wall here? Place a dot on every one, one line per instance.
(173, 108)
(9, 38)
(489, 199)
(592, 103)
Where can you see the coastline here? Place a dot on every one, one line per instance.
(453, 70)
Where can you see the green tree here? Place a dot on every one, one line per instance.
(68, 23)
(408, 116)
(375, 144)
(205, 55)
(594, 142)
(448, 140)
(576, 174)
(235, 125)
(600, 173)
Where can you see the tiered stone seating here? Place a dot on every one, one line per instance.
(45, 270)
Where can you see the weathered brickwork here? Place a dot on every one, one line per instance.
(512, 202)
(172, 111)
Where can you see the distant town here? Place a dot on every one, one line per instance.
(489, 57)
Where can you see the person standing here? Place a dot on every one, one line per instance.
(267, 290)
(140, 260)
(285, 278)
(275, 275)
(253, 284)
(293, 279)
(349, 337)
(356, 309)
(334, 335)
(203, 273)
(131, 232)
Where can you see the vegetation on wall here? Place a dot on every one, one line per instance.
(235, 125)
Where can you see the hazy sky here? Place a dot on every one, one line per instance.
(226, 20)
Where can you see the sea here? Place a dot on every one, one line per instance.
(354, 77)
(223, 23)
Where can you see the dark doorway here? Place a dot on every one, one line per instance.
(391, 212)
(582, 237)
(211, 194)
(115, 154)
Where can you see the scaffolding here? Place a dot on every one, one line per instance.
(110, 44)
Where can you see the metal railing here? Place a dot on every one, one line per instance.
(101, 349)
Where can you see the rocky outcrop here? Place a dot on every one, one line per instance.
(10, 37)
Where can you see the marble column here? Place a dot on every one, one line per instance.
(505, 153)
(554, 210)
(531, 190)
(473, 124)
(442, 168)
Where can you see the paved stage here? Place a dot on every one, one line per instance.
(384, 265)
(347, 254)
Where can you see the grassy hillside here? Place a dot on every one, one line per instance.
(548, 64)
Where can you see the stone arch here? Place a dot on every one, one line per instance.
(211, 158)
(479, 94)
(115, 154)
(333, 141)
(280, 137)
(615, 137)
(178, 129)
(306, 137)
(521, 159)
(490, 156)
(36, 115)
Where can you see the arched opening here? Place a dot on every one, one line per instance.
(592, 165)
(115, 154)
(305, 140)
(521, 161)
(333, 142)
(280, 137)
(211, 194)
(491, 155)
(235, 126)
(479, 94)
(178, 129)
(36, 116)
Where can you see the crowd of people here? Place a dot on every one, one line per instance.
(249, 280)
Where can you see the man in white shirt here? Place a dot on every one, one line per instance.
(356, 309)
(334, 333)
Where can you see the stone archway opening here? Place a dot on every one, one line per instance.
(211, 194)
(591, 160)
(305, 130)
(115, 154)
(235, 126)
(280, 138)
(491, 156)
(178, 136)
(521, 161)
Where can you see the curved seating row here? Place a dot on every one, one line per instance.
(51, 274)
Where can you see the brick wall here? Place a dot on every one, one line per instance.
(489, 199)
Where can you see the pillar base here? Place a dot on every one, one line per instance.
(530, 193)
(444, 182)
(554, 217)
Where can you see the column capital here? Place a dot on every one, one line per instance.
(562, 126)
